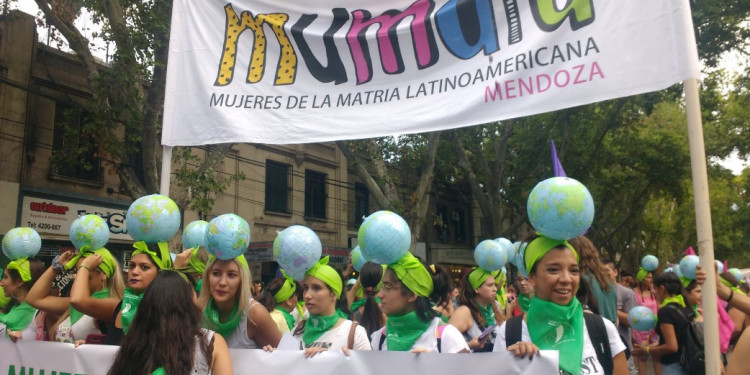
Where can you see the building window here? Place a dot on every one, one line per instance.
(361, 203)
(459, 222)
(75, 153)
(278, 186)
(315, 194)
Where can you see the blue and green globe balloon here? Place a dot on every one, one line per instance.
(719, 266)
(384, 237)
(297, 249)
(650, 263)
(490, 255)
(506, 245)
(21, 242)
(90, 232)
(736, 273)
(560, 208)
(227, 236)
(641, 318)
(358, 260)
(194, 234)
(153, 218)
(688, 265)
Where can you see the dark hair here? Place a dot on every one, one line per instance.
(36, 267)
(370, 276)
(586, 296)
(164, 330)
(589, 261)
(442, 283)
(670, 281)
(606, 261)
(266, 297)
(467, 296)
(341, 306)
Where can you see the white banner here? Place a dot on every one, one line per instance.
(37, 357)
(298, 71)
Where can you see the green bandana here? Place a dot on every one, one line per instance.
(3, 299)
(18, 317)
(162, 259)
(361, 302)
(327, 274)
(75, 314)
(477, 277)
(412, 273)
(198, 286)
(159, 371)
(22, 266)
(196, 264)
(642, 273)
(211, 315)
(317, 325)
(130, 302)
(502, 294)
(240, 259)
(289, 318)
(487, 313)
(556, 327)
(676, 299)
(287, 289)
(540, 246)
(685, 282)
(523, 302)
(301, 308)
(733, 287)
(108, 261)
(401, 332)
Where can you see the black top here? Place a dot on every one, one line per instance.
(114, 334)
(670, 314)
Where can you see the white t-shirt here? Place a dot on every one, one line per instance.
(338, 337)
(451, 340)
(589, 363)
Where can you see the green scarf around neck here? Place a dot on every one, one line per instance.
(675, 299)
(75, 315)
(130, 302)
(287, 316)
(212, 316)
(487, 313)
(557, 327)
(18, 317)
(317, 325)
(361, 302)
(401, 332)
(523, 302)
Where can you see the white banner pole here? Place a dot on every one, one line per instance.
(166, 170)
(703, 225)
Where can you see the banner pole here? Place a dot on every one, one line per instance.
(703, 225)
(166, 170)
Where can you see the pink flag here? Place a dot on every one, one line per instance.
(689, 251)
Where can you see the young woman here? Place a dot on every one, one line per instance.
(525, 294)
(329, 325)
(367, 310)
(555, 319)
(441, 298)
(413, 325)
(229, 309)
(165, 336)
(645, 296)
(673, 319)
(280, 299)
(145, 263)
(18, 278)
(475, 313)
(692, 295)
(96, 291)
(598, 278)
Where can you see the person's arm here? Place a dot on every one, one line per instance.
(620, 364)
(738, 318)
(622, 318)
(221, 361)
(670, 345)
(39, 296)
(461, 319)
(738, 300)
(262, 327)
(738, 365)
(182, 259)
(80, 295)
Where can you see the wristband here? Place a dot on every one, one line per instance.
(56, 264)
(731, 295)
(647, 350)
(86, 267)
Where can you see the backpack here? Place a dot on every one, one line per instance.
(438, 336)
(596, 330)
(692, 357)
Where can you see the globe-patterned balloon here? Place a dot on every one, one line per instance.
(506, 245)
(297, 249)
(358, 260)
(519, 260)
(641, 318)
(736, 273)
(560, 208)
(688, 264)
(21, 242)
(227, 236)
(194, 234)
(153, 218)
(719, 266)
(650, 263)
(489, 255)
(89, 232)
(384, 237)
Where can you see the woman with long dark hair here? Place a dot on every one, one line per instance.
(367, 310)
(476, 311)
(18, 279)
(165, 337)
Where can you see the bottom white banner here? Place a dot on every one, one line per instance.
(50, 358)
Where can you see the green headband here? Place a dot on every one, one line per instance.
(685, 282)
(196, 264)
(642, 273)
(478, 275)
(327, 274)
(3, 299)
(413, 274)
(23, 267)
(287, 288)
(108, 261)
(162, 260)
(240, 259)
(540, 246)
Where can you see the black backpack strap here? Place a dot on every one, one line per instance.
(513, 327)
(600, 340)
(382, 339)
